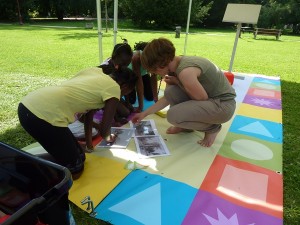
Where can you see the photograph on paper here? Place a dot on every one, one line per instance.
(151, 146)
(144, 128)
(123, 136)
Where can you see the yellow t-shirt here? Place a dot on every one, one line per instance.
(89, 89)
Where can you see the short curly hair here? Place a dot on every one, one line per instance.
(157, 54)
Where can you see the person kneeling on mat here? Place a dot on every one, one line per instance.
(46, 113)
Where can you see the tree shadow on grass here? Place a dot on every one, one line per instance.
(291, 142)
(79, 36)
(62, 32)
(264, 38)
(82, 217)
(16, 137)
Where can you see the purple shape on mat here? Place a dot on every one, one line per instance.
(263, 102)
(208, 209)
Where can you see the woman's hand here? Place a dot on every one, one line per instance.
(171, 80)
(138, 117)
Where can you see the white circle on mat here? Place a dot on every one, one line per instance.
(251, 149)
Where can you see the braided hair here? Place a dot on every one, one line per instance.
(121, 56)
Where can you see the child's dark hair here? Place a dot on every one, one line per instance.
(122, 55)
(125, 76)
(108, 68)
(140, 46)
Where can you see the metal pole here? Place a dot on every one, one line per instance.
(115, 21)
(187, 26)
(238, 30)
(98, 5)
(106, 17)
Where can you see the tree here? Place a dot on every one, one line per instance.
(294, 15)
(200, 13)
(277, 14)
(162, 14)
(218, 8)
(10, 9)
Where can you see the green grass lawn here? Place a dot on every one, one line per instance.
(34, 56)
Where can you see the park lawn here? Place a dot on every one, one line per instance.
(34, 56)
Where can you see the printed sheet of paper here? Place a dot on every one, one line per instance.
(144, 128)
(151, 146)
(148, 141)
(123, 137)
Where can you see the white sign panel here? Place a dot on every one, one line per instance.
(242, 13)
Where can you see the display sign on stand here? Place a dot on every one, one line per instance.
(240, 13)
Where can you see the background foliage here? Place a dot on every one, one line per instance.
(167, 13)
(156, 13)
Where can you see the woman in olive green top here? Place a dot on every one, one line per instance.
(199, 95)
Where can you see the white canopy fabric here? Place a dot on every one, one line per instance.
(99, 19)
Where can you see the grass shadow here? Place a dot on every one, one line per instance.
(261, 38)
(17, 137)
(291, 156)
(76, 33)
(79, 36)
(82, 217)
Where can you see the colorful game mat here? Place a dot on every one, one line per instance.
(237, 181)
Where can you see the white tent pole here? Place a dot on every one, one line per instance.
(115, 21)
(238, 30)
(187, 26)
(98, 6)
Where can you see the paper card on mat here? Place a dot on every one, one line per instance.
(124, 135)
(151, 146)
(144, 128)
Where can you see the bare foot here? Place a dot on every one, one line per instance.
(208, 139)
(175, 130)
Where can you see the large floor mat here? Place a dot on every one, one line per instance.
(237, 181)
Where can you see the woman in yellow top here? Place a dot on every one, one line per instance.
(46, 113)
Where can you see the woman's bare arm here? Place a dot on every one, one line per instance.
(108, 117)
(188, 78)
(136, 67)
